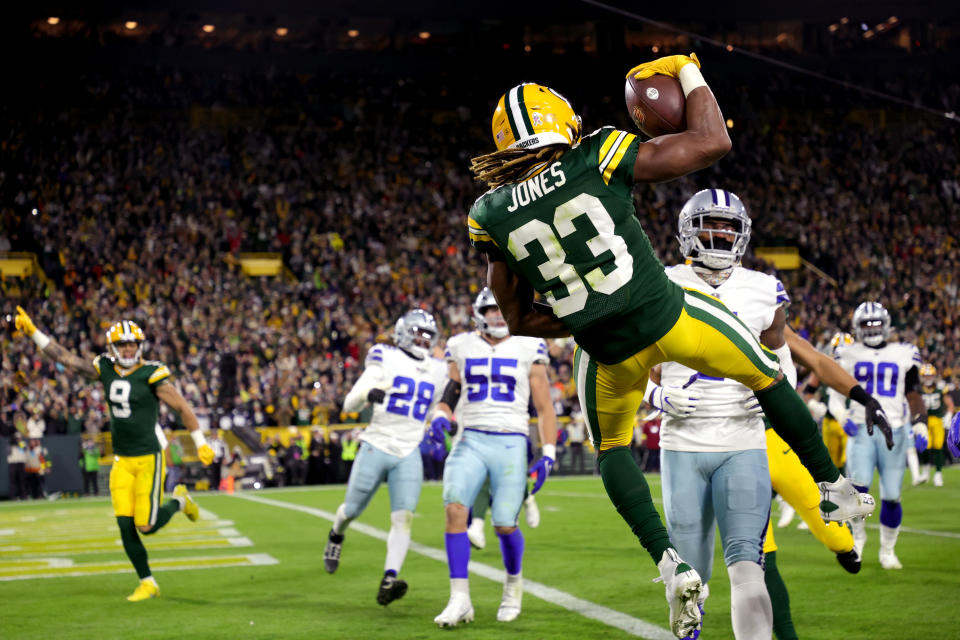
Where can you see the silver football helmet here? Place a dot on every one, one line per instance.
(484, 301)
(871, 323)
(709, 247)
(416, 333)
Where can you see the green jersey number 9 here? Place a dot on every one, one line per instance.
(119, 396)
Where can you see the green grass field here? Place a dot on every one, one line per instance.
(253, 569)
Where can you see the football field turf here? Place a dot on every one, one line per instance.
(252, 568)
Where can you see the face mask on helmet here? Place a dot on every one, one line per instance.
(871, 324)
(416, 333)
(484, 302)
(714, 229)
(928, 375)
(125, 333)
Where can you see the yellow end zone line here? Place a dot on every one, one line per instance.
(123, 566)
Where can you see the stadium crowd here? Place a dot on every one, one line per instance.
(138, 194)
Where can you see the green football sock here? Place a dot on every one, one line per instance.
(780, 599)
(938, 459)
(630, 494)
(133, 546)
(164, 514)
(792, 421)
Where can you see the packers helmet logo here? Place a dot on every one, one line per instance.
(531, 116)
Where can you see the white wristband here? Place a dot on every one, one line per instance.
(198, 438)
(41, 339)
(690, 78)
(549, 451)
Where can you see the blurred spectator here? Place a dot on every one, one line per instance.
(576, 436)
(350, 444)
(90, 454)
(35, 468)
(16, 463)
(651, 444)
(173, 457)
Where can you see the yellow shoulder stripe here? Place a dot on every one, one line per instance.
(473, 224)
(96, 364)
(161, 373)
(617, 157)
(605, 147)
(481, 237)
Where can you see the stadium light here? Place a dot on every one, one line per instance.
(353, 33)
(729, 48)
(893, 19)
(424, 35)
(729, 123)
(834, 27)
(282, 32)
(130, 25)
(844, 20)
(208, 28)
(868, 34)
(53, 20)
(527, 48)
(655, 49)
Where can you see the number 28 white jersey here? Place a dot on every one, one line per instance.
(721, 421)
(882, 373)
(412, 386)
(496, 380)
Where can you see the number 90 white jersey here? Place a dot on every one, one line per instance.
(412, 387)
(495, 380)
(882, 373)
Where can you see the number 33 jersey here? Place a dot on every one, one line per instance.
(412, 386)
(881, 373)
(495, 396)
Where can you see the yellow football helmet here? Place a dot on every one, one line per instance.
(531, 116)
(125, 331)
(839, 340)
(928, 373)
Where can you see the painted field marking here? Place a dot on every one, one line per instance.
(123, 566)
(585, 608)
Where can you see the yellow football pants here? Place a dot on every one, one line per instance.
(707, 337)
(835, 439)
(791, 480)
(136, 487)
(936, 431)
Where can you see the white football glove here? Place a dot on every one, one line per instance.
(921, 437)
(817, 409)
(752, 405)
(676, 401)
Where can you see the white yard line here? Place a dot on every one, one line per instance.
(587, 609)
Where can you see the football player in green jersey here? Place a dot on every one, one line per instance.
(559, 220)
(133, 388)
(939, 412)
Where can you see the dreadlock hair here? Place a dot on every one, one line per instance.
(513, 165)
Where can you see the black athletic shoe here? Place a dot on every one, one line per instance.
(850, 561)
(331, 554)
(391, 589)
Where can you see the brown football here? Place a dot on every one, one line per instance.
(656, 104)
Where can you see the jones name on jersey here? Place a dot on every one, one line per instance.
(882, 373)
(496, 380)
(412, 386)
(754, 297)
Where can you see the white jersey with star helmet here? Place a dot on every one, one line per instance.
(721, 421)
(882, 373)
(412, 387)
(495, 395)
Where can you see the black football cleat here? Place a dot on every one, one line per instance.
(850, 561)
(391, 589)
(331, 554)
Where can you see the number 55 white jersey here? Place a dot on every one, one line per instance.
(495, 395)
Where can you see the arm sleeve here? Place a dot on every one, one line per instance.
(837, 406)
(372, 376)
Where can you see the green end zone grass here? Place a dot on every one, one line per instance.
(582, 548)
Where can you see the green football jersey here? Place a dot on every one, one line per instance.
(572, 232)
(133, 403)
(933, 399)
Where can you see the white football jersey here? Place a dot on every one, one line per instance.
(882, 373)
(413, 387)
(496, 380)
(721, 421)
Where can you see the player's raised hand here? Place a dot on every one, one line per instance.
(875, 417)
(921, 436)
(666, 66)
(23, 323)
(205, 453)
(953, 436)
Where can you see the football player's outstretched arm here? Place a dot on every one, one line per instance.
(52, 349)
(546, 414)
(704, 142)
(371, 386)
(515, 298)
